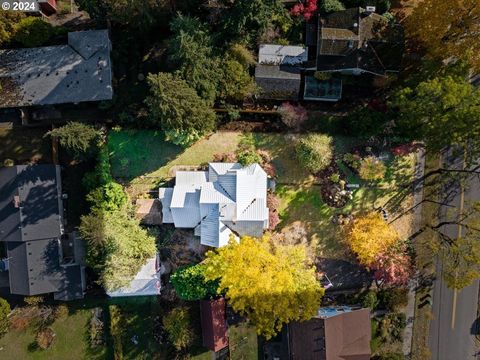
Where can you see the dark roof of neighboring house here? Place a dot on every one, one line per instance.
(77, 72)
(278, 81)
(355, 39)
(340, 337)
(214, 325)
(31, 225)
(29, 203)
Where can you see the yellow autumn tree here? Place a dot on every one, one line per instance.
(270, 284)
(447, 29)
(370, 235)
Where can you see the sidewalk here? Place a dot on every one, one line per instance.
(417, 216)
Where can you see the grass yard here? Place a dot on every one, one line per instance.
(70, 341)
(146, 160)
(25, 145)
(243, 342)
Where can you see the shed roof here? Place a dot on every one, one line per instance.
(214, 325)
(278, 82)
(269, 54)
(73, 73)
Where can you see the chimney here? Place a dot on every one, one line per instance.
(16, 201)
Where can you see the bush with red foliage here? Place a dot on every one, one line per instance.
(393, 268)
(405, 149)
(292, 116)
(273, 203)
(307, 9)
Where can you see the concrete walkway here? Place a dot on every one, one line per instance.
(417, 218)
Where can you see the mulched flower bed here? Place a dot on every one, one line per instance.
(330, 190)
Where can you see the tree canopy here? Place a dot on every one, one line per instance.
(314, 151)
(190, 284)
(8, 23)
(270, 284)
(442, 111)
(177, 108)
(117, 247)
(447, 29)
(368, 236)
(77, 137)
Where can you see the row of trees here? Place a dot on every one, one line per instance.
(117, 246)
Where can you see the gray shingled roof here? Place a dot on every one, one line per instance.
(73, 73)
(31, 225)
(278, 82)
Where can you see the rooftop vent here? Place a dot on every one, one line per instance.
(355, 25)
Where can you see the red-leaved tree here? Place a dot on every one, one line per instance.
(291, 115)
(393, 268)
(306, 9)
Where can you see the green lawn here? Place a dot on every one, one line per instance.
(24, 145)
(70, 341)
(243, 342)
(145, 160)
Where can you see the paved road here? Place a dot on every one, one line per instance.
(454, 312)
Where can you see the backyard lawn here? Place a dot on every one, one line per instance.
(243, 342)
(70, 341)
(146, 160)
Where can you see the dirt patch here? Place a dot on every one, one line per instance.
(403, 8)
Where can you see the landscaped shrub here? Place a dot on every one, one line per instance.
(96, 330)
(352, 160)
(4, 311)
(78, 138)
(109, 197)
(8, 162)
(102, 173)
(392, 326)
(273, 203)
(248, 157)
(314, 152)
(33, 300)
(225, 157)
(190, 284)
(372, 169)
(34, 32)
(370, 300)
(292, 116)
(178, 328)
(44, 338)
(329, 6)
(116, 331)
(60, 312)
(393, 299)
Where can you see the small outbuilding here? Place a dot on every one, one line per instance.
(214, 324)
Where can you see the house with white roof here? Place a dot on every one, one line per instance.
(226, 200)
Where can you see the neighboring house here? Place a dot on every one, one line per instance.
(350, 42)
(214, 324)
(278, 73)
(226, 200)
(357, 41)
(40, 259)
(77, 72)
(147, 282)
(335, 334)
